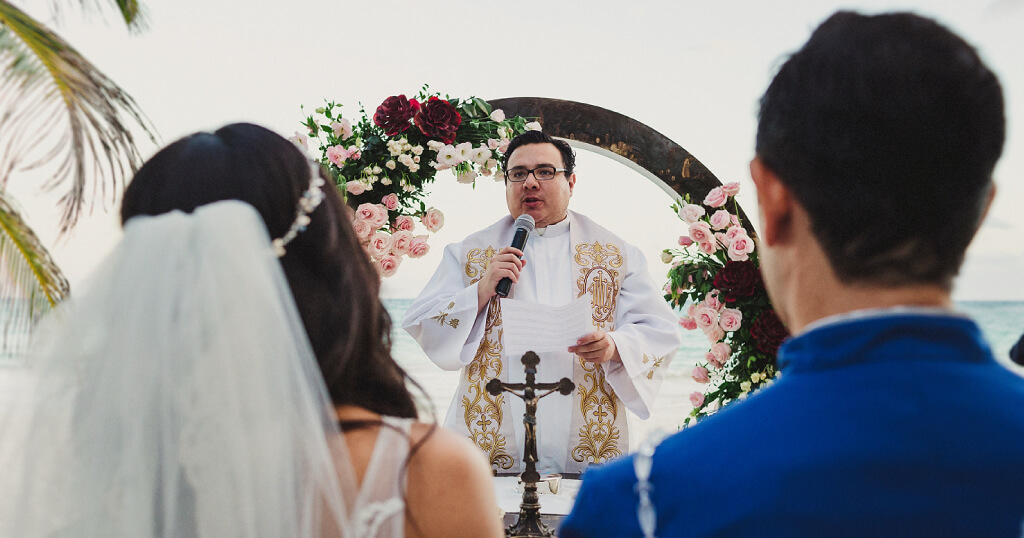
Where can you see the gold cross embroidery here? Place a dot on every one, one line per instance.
(442, 317)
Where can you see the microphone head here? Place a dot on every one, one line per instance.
(526, 221)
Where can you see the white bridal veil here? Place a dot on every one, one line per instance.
(177, 396)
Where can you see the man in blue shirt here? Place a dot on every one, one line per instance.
(875, 149)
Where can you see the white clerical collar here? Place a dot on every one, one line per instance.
(556, 229)
(866, 313)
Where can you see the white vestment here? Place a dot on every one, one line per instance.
(572, 258)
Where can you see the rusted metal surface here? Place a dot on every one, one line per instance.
(624, 139)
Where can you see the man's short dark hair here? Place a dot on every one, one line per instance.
(887, 129)
(540, 137)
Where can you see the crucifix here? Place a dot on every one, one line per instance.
(529, 524)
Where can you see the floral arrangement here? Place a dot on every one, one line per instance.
(382, 163)
(715, 276)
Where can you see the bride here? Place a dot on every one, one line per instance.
(227, 372)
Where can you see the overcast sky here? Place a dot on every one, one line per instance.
(691, 70)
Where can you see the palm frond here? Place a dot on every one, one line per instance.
(130, 10)
(31, 284)
(57, 110)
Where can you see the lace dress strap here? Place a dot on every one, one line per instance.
(380, 506)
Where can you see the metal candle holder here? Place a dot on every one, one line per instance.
(529, 524)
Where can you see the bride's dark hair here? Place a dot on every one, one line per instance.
(334, 284)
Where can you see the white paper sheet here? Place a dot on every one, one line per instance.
(540, 328)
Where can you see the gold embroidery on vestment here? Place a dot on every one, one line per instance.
(442, 317)
(482, 412)
(655, 366)
(598, 276)
(476, 262)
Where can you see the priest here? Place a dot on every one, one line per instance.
(619, 365)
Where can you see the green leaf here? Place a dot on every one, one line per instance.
(31, 284)
(45, 83)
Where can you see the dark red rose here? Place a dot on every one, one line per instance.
(769, 332)
(394, 113)
(738, 279)
(438, 119)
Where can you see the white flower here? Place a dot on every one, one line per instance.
(406, 146)
(464, 151)
(755, 377)
(299, 140)
(745, 386)
(408, 188)
(666, 256)
(468, 176)
(376, 169)
(405, 159)
(385, 180)
(480, 155)
(417, 150)
(447, 156)
(390, 165)
(435, 145)
(498, 115)
(414, 167)
(502, 133)
(491, 163)
(416, 159)
(533, 126)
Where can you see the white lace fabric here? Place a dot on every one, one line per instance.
(379, 510)
(177, 396)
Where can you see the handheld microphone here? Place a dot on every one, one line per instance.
(524, 225)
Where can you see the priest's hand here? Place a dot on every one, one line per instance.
(506, 263)
(596, 347)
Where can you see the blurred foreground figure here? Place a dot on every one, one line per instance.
(875, 149)
(196, 388)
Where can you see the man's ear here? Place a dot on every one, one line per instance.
(572, 183)
(776, 204)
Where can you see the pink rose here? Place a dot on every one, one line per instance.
(723, 238)
(362, 229)
(700, 374)
(355, 188)
(740, 247)
(692, 310)
(712, 301)
(716, 198)
(503, 145)
(380, 245)
(388, 265)
(720, 219)
(700, 232)
(337, 155)
(708, 247)
(354, 152)
(390, 201)
(731, 189)
(401, 243)
(705, 317)
(367, 212)
(712, 359)
(492, 143)
(731, 233)
(697, 399)
(688, 323)
(685, 241)
(405, 223)
(730, 319)
(721, 352)
(381, 218)
(433, 219)
(691, 213)
(715, 334)
(419, 247)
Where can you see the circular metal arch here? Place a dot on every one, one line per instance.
(608, 133)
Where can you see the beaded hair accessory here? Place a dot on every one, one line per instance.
(308, 203)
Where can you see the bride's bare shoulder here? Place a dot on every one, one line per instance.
(450, 488)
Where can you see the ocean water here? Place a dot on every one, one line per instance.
(1001, 322)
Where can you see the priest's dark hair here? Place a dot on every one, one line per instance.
(334, 284)
(886, 129)
(540, 137)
